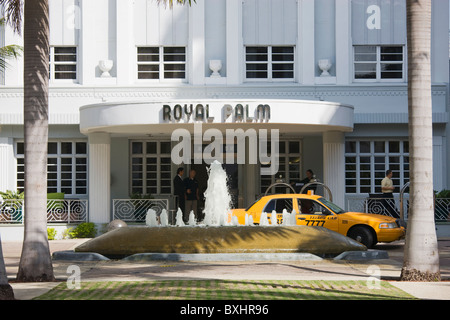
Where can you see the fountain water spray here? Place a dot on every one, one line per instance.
(273, 218)
(179, 219)
(218, 199)
(192, 221)
(164, 218)
(263, 220)
(150, 218)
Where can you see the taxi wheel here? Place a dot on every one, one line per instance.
(363, 235)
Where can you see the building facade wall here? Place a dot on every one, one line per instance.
(223, 30)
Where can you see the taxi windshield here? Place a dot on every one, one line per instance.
(331, 206)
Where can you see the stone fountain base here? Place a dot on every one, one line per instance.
(240, 239)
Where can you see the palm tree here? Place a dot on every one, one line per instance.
(35, 262)
(6, 291)
(421, 258)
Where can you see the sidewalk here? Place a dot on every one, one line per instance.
(319, 269)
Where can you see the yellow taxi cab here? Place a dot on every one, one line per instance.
(315, 210)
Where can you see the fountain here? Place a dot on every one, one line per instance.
(220, 231)
(264, 221)
(179, 219)
(150, 218)
(164, 218)
(218, 199)
(192, 221)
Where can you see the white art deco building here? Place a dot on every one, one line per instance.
(330, 76)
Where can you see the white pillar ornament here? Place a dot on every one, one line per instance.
(325, 65)
(215, 66)
(105, 67)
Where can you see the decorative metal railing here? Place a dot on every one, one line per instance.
(391, 207)
(135, 210)
(442, 209)
(58, 211)
(11, 211)
(70, 211)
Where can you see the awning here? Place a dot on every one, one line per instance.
(162, 117)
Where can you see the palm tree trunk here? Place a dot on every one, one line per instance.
(35, 261)
(421, 258)
(6, 291)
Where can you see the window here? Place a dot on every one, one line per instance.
(63, 63)
(366, 163)
(307, 206)
(378, 63)
(278, 205)
(151, 167)
(289, 161)
(66, 167)
(269, 63)
(161, 63)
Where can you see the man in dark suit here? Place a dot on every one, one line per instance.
(192, 196)
(179, 190)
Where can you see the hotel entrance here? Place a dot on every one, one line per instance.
(310, 135)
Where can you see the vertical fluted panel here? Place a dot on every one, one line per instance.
(99, 178)
(334, 165)
(6, 165)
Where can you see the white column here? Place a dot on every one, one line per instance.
(197, 43)
(334, 165)
(99, 178)
(125, 42)
(343, 42)
(234, 42)
(87, 42)
(305, 53)
(8, 165)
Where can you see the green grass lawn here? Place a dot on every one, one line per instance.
(226, 290)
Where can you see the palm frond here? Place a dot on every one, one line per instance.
(13, 10)
(3, 65)
(11, 51)
(7, 52)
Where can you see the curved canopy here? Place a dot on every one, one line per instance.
(162, 117)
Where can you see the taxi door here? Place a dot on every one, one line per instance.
(278, 205)
(313, 213)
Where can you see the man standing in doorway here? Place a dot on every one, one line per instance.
(191, 185)
(387, 188)
(179, 190)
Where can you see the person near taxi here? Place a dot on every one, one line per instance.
(387, 188)
(310, 177)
